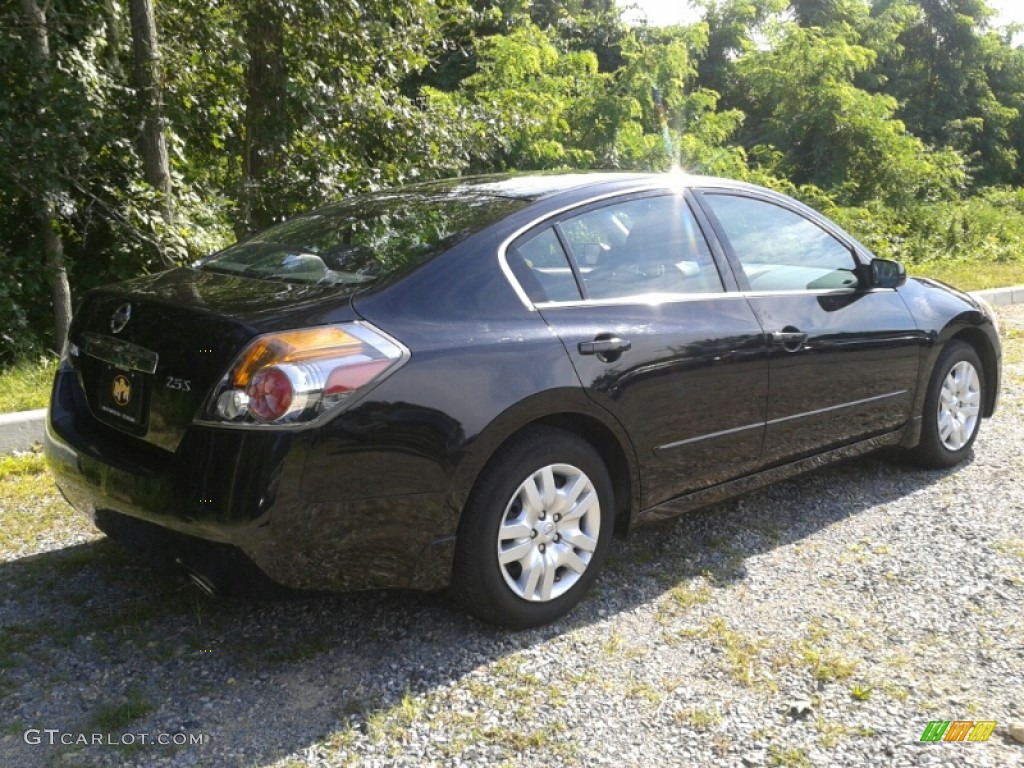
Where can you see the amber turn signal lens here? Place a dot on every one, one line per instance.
(305, 345)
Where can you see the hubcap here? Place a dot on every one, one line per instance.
(549, 532)
(959, 406)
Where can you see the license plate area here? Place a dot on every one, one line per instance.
(123, 378)
(123, 398)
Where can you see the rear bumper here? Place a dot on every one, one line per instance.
(225, 494)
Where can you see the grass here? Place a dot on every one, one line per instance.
(830, 732)
(685, 596)
(1011, 547)
(113, 717)
(30, 507)
(1013, 350)
(825, 665)
(969, 275)
(861, 692)
(701, 719)
(792, 757)
(496, 718)
(25, 385)
(741, 651)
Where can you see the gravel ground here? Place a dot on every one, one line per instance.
(823, 621)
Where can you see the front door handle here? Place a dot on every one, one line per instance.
(789, 338)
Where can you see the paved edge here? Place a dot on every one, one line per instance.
(1002, 296)
(20, 431)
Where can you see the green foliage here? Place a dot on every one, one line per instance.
(834, 134)
(20, 310)
(902, 118)
(532, 105)
(987, 228)
(525, 88)
(946, 72)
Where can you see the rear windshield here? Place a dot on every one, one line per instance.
(363, 239)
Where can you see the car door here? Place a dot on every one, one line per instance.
(632, 289)
(844, 356)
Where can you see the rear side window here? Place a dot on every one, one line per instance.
(542, 268)
(781, 250)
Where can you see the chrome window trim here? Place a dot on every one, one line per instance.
(655, 186)
(645, 299)
(671, 297)
(653, 299)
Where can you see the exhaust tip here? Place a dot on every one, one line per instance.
(201, 582)
(204, 584)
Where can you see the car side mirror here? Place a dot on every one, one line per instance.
(886, 273)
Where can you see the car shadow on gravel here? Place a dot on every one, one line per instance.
(92, 641)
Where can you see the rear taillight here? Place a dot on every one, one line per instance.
(296, 377)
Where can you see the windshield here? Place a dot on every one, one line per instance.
(363, 239)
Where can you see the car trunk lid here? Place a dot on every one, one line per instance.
(148, 352)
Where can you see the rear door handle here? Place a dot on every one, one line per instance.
(612, 346)
(789, 339)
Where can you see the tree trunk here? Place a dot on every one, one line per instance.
(148, 80)
(46, 214)
(112, 26)
(264, 121)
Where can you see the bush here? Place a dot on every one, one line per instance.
(986, 228)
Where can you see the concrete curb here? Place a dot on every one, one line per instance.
(999, 297)
(20, 431)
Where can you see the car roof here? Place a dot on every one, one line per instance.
(536, 186)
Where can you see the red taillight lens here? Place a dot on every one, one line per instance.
(270, 394)
(298, 376)
(348, 378)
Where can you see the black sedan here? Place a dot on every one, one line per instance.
(475, 383)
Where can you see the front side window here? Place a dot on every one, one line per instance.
(779, 249)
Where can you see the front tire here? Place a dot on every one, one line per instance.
(952, 408)
(536, 530)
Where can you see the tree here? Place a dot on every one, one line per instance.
(731, 25)
(831, 133)
(147, 78)
(266, 119)
(324, 104)
(941, 74)
(45, 191)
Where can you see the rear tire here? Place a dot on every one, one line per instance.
(952, 409)
(536, 530)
